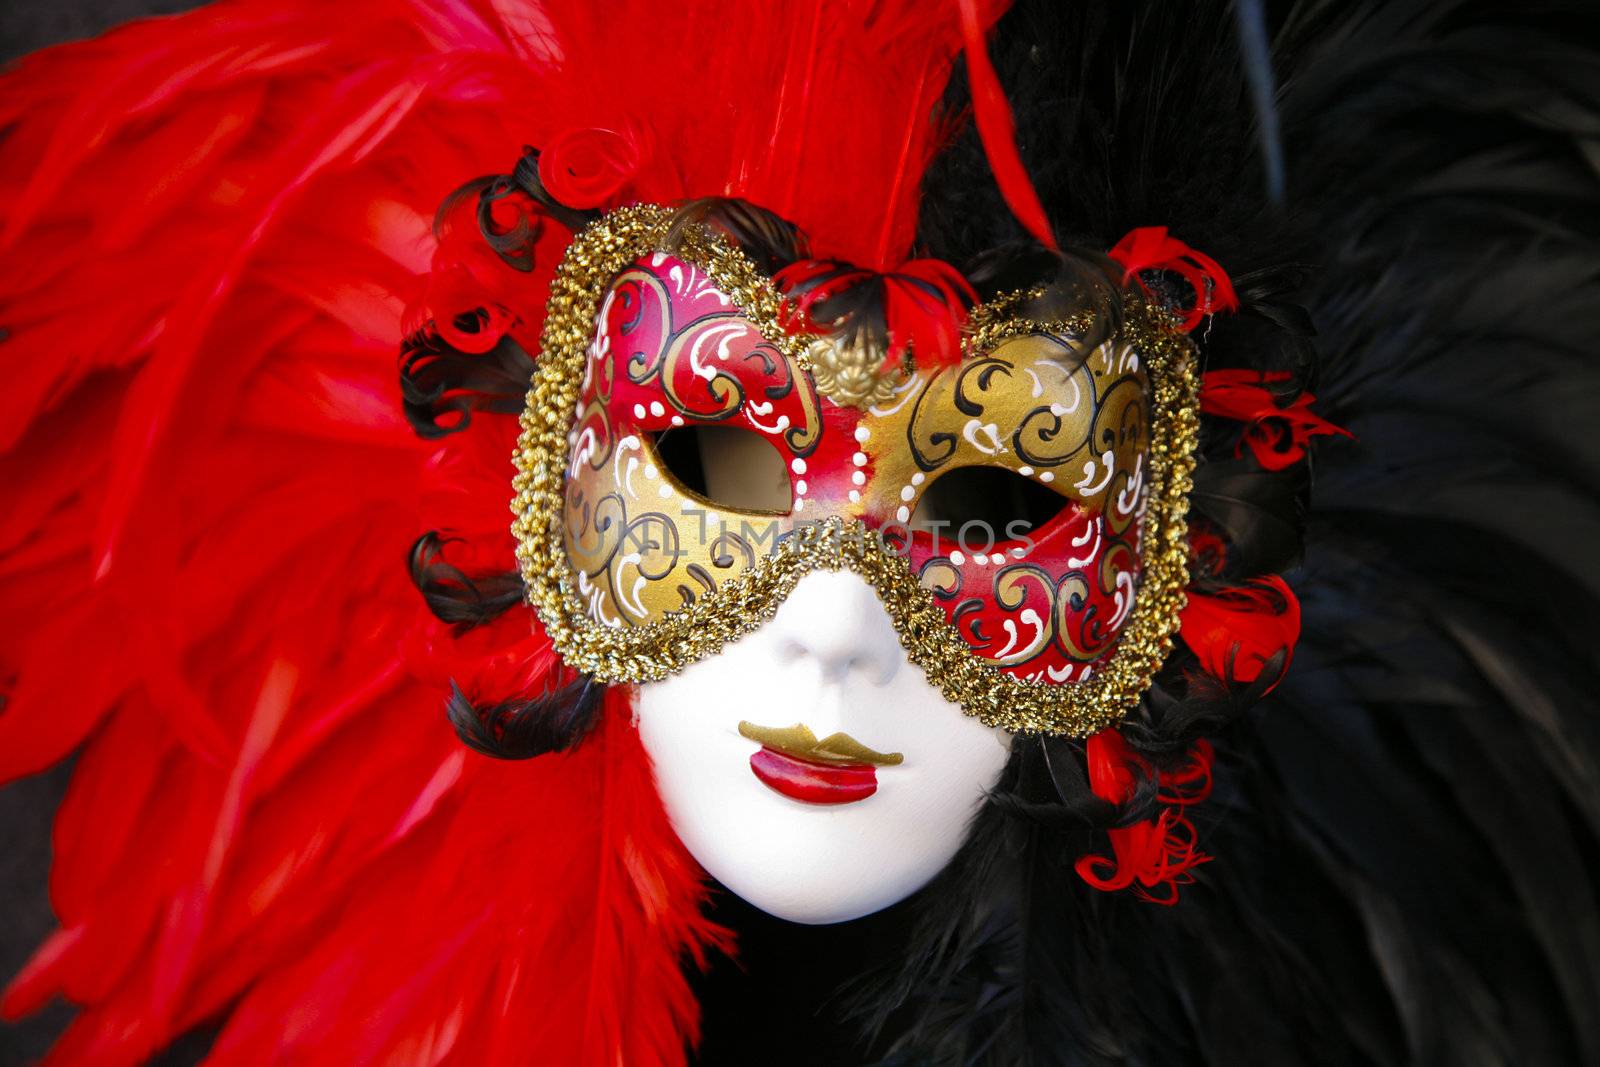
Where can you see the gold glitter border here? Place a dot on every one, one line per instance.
(743, 603)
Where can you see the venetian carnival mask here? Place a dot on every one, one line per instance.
(814, 570)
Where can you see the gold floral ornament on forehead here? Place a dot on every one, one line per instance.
(651, 645)
(850, 373)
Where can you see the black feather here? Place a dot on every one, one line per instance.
(1261, 513)
(452, 595)
(522, 729)
(770, 241)
(1406, 829)
(441, 386)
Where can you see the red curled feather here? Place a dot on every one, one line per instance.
(997, 129)
(925, 304)
(1235, 632)
(1153, 248)
(1276, 433)
(593, 168)
(455, 303)
(1156, 856)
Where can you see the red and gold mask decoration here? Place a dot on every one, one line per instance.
(1055, 628)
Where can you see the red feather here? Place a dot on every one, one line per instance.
(1151, 248)
(997, 129)
(268, 858)
(1277, 433)
(213, 224)
(826, 113)
(1153, 857)
(1236, 631)
(925, 304)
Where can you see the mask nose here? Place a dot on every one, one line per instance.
(834, 621)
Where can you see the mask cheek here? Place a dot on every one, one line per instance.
(639, 543)
(1048, 608)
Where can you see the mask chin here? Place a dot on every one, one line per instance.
(790, 827)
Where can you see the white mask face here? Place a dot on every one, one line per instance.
(747, 807)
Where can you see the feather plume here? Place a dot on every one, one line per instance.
(213, 225)
(1396, 824)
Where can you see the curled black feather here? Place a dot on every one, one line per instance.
(857, 315)
(452, 595)
(1186, 704)
(1071, 281)
(770, 240)
(513, 243)
(472, 190)
(441, 386)
(522, 729)
(1047, 785)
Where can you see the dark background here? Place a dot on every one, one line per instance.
(29, 24)
(773, 1008)
(25, 919)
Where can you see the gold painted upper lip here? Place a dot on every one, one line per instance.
(800, 742)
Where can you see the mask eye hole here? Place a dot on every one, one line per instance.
(1003, 501)
(729, 467)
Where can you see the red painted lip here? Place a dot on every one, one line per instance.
(813, 782)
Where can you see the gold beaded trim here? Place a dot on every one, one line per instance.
(743, 603)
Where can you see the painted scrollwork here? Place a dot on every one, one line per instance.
(684, 340)
(1037, 403)
(1034, 618)
(671, 350)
